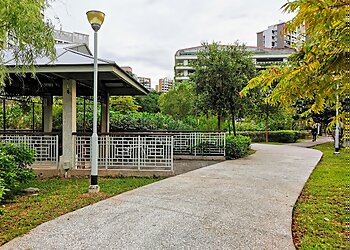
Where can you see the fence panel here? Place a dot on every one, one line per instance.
(127, 152)
(46, 146)
(198, 143)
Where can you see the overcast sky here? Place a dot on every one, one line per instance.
(145, 34)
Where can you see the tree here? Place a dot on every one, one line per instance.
(260, 110)
(24, 32)
(178, 102)
(321, 64)
(123, 104)
(148, 103)
(220, 74)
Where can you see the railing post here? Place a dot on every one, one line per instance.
(107, 138)
(172, 152)
(139, 153)
(195, 144)
(224, 134)
(57, 158)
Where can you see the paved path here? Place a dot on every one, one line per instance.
(310, 143)
(241, 204)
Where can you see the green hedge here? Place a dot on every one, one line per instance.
(237, 146)
(288, 136)
(14, 171)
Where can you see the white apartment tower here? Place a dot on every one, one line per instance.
(146, 82)
(275, 37)
(262, 57)
(66, 37)
(164, 85)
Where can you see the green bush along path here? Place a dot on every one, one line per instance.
(237, 146)
(321, 217)
(57, 197)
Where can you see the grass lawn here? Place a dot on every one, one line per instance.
(57, 197)
(321, 213)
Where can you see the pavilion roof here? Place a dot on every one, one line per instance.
(72, 61)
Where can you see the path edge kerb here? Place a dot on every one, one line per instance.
(293, 210)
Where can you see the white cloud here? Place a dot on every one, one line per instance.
(145, 34)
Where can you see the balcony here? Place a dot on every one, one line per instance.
(183, 67)
(71, 37)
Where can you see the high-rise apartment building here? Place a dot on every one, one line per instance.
(146, 82)
(275, 37)
(164, 85)
(262, 57)
(66, 37)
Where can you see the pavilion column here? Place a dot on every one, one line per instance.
(105, 116)
(47, 113)
(69, 123)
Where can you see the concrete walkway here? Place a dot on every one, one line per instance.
(240, 204)
(310, 143)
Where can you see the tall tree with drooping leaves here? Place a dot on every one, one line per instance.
(319, 71)
(221, 71)
(24, 32)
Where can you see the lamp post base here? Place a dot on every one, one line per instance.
(94, 188)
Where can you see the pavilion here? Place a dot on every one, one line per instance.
(70, 75)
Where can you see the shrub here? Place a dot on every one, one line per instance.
(237, 146)
(247, 126)
(287, 136)
(14, 171)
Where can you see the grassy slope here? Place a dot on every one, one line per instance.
(57, 197)
(320, 215)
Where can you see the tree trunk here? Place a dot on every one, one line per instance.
(233, 123)
(229, 123)
(267, 124)
(219, 122)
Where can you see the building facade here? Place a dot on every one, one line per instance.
(262, 57)
(66, 37)
(146, 82)
(164, 85)
(275, 37)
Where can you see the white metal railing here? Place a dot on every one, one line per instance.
(200, 143)
(138, 152)
(45, 146)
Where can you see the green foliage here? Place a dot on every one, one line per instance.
(321, 64)
(19, 115)
(208, 122)
(286, 136)
(248, 126)
(27, 32)
(14, 163)
(123, 104)
(180, 101)
(145, 121)
(237, 146)
(148, 103)
(220, 74)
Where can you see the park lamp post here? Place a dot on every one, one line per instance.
(96, 19)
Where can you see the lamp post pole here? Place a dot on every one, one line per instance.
(96, 19)
(94, 138)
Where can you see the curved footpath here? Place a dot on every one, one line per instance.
(240, 204)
